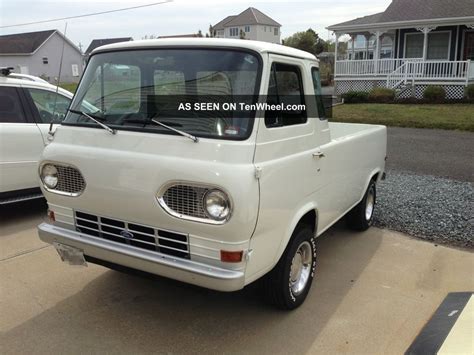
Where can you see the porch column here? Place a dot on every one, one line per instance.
(353, 37)
(336, 45)
(367, 40)
(377, 35)
(425, 31)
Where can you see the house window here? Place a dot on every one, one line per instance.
(45, 60)
(247, 28)
(438, 45)
(275, 31)
(414, 45)
(265, 28)
(75, 70)
(234, 31)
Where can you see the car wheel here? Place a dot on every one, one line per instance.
(360, 218)
(288, 284)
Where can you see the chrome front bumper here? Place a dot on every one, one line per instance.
(156, 263)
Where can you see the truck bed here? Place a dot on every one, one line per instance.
(342, 131)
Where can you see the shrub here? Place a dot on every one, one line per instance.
(470, 92)
(382, 95)
(355, 97)
(434, 94)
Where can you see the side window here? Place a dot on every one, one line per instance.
(51, 106)
(285, 89)
(320, 102)
(10, 106)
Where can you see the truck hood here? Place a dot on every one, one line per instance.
(124, 172)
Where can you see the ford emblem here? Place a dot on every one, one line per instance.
(126, 234)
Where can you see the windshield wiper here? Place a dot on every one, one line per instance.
(184, 134)
(159, 123)
(94, 119)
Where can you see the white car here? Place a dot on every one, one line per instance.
(180, 173)
(27, 108)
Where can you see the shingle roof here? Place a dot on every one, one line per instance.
(412, 10)
(23, 43)
(103, 41)
(362, 20)
(407, 10)
(220, 25)
(251, 16)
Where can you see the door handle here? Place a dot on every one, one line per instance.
(318, 154)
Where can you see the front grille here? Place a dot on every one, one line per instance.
(186, 200)
(139, 236)
(70, 180)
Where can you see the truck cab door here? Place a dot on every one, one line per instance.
(21, 142)
(283, 155)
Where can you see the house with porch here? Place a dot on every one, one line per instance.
(411, 45)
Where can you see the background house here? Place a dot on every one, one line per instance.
(39, 53)
(102, 42)
(411, 45)
(249, 24)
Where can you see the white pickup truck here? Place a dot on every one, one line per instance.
(216, 200)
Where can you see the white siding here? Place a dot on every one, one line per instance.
(256, 33)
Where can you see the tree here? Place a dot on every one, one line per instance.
(308, 41)
(199, 34)
(242, 34)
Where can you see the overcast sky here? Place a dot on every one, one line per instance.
(177, 17)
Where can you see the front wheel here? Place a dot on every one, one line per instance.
(288, 284)
(360, 218)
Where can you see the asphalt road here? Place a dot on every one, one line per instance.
(373, 293)
(435, 152)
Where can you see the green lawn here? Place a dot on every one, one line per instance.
(69, 86)
(448, 116)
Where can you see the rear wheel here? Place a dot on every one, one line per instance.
(288, 284)
(360, 218)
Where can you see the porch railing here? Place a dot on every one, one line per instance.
(429, 70)
(368, 67)
(396, 71)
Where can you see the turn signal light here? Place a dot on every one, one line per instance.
(231, 256)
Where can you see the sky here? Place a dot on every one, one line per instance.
(177, 17)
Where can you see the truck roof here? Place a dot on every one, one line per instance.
(261, 47)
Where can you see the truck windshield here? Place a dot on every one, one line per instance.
(180, 87)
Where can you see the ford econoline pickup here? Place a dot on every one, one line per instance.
(217, 196)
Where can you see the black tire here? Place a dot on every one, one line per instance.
(277, 284)
(360, 218)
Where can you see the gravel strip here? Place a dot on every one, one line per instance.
(427, 207)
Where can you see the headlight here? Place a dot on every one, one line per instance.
(49, 176)
(217, 205)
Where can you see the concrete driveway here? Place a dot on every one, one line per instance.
(373, 293)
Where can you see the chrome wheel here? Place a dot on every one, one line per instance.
(301, 268)
(370, 204)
